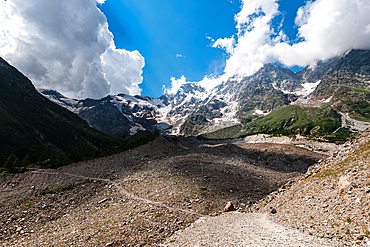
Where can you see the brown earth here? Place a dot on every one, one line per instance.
(142, 196)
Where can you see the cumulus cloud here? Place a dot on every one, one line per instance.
(326, 28)
(175, 85)
(66, 45)
(123, 70)
(226, 44)
(208, 83)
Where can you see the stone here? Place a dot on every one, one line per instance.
(229, 207)
(344, 183)
(102, 201)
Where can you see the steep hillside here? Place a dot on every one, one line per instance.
(297, 120)
(332, 199)
(324, 123)
(31, 124)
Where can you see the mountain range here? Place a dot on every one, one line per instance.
(330, 99)
(338, 85)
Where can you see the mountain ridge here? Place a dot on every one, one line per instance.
(171, 111)
(193, 110)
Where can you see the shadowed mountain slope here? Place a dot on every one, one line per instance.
(31, 124)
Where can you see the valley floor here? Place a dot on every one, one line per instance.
(144, 196)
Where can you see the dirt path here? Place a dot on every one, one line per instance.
(123, 192)
(242, 229)
(145, 195)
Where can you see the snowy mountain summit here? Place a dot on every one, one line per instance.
(193, 109)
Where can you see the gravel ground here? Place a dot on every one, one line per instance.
(142, 196)
(332, 200)
(242, 229)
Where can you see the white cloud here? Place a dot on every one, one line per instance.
(66, 45)
(179, 55)
(123, 70)
(208, 83)
(210, 38)
(226, 44)
(327, 28)
(175, 85)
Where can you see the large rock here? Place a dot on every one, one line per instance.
(229, 207)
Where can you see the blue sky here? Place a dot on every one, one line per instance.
(172, 36)
(92, 48)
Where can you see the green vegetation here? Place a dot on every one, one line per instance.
(262, 98)
(296, 120)
(290, 120)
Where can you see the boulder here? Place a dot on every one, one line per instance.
(229, 207)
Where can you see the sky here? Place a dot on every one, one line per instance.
(92, 48)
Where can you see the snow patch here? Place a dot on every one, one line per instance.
(136, 128)
(327, 100)
(308, 88)
(260, 113)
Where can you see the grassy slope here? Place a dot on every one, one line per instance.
(289, 120)
(296, 120)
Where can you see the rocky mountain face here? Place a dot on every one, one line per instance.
(347, 85)
(33, 126)
(193, 110)
(112, 114)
